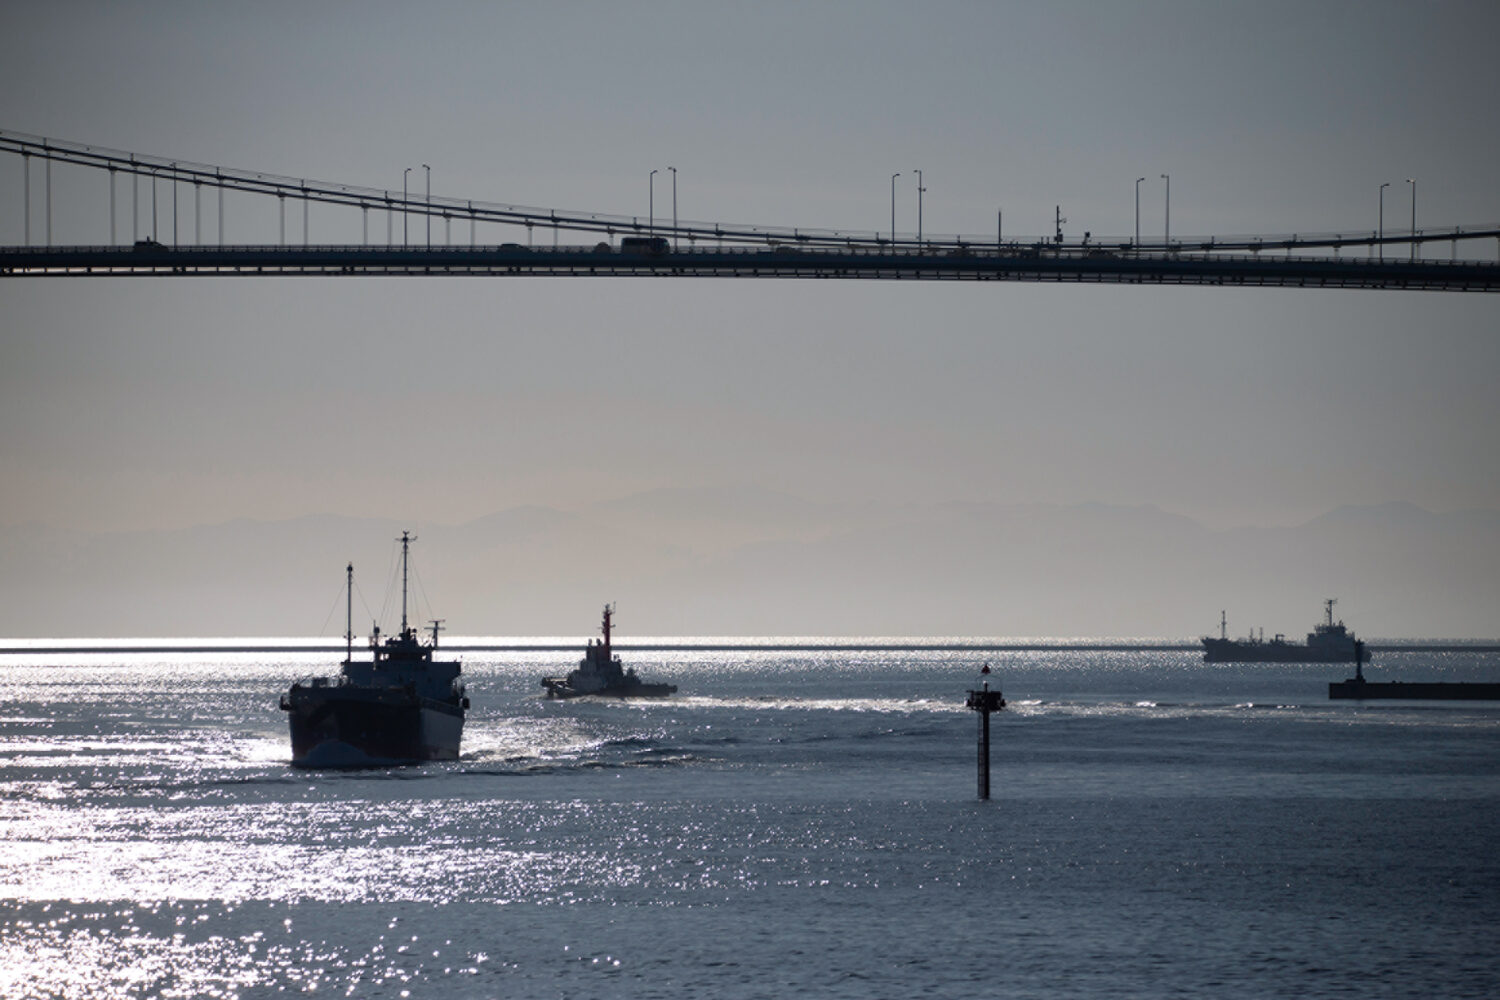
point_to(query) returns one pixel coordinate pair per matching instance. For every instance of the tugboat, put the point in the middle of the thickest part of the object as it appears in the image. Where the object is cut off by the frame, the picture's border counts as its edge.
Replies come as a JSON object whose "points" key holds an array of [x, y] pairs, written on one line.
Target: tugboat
{"points": [[1329, 642], [599, 673], [399, 707]]}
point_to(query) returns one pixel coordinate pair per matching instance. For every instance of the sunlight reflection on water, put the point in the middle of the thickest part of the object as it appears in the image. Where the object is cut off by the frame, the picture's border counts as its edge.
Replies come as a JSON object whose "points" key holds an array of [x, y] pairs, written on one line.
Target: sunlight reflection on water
{"points": [[789, 823]]}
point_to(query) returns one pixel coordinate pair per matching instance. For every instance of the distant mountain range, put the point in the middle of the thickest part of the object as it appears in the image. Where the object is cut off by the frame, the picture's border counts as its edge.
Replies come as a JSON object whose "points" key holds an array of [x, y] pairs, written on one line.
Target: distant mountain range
{"points": [[754, 562]]}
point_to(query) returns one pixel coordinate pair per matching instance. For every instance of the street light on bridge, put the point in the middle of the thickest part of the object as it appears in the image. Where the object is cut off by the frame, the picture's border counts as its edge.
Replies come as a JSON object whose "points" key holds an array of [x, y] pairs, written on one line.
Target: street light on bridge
{"points": [[1380, 232], [651, 203], [674, 206], [1138, 211], [893, 210], [920, 189], [1413, 184], [1168, 179]]}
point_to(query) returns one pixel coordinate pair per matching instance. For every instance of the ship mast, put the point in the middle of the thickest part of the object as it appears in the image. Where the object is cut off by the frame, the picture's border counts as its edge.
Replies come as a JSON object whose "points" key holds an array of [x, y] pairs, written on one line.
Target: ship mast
{"points": [[609, 610], [1328, 611], [406, 539], [349, 614]]}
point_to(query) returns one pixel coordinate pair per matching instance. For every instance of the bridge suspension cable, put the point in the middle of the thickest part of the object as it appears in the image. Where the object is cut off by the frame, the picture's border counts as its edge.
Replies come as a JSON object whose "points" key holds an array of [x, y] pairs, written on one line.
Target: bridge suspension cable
{"points": [[711, 250], [365, 198], [281, 187]]}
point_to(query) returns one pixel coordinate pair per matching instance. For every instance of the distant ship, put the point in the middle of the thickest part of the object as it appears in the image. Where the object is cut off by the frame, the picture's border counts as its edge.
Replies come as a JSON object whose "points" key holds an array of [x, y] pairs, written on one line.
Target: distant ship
{"points": [[600, 673], [1329, 642], [399, 707]]}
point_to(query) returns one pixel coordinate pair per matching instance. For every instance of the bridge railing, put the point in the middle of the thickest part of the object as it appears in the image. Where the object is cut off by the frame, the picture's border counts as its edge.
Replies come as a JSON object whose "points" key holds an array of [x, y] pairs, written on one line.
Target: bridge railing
{"points": [[148, 254]]}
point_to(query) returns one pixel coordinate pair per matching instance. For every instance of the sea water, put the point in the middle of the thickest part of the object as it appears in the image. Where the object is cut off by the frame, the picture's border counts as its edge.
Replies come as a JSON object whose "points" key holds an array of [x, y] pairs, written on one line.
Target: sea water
{"points": [[791, 822]]}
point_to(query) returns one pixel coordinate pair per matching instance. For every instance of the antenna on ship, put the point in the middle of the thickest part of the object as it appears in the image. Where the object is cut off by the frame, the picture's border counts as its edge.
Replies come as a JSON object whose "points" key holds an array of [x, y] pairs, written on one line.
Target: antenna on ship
{"points": [[1328, 611]]}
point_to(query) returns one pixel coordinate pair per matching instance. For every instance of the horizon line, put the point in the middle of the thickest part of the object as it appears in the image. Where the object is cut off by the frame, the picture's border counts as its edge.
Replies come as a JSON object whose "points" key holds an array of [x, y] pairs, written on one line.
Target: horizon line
{"points": [[708, 644]]}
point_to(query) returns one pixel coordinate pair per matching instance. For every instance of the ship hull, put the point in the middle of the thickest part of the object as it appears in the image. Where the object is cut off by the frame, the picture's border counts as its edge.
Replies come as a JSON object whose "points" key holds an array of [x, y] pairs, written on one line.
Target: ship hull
{"points": [[1231, 651], [559, 688], [354, 727], [1417, 691]]}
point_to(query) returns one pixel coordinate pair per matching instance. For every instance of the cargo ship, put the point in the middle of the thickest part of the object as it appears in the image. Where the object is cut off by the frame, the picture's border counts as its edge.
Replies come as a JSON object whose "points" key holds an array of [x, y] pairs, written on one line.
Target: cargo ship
{"points": [[1329, 642], [601, 673], [401, 706]]}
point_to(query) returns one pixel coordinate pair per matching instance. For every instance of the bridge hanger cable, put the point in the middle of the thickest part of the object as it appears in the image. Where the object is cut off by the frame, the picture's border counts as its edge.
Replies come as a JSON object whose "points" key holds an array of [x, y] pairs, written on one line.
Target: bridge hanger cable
{"points": [[279, 186], [274, 185]]}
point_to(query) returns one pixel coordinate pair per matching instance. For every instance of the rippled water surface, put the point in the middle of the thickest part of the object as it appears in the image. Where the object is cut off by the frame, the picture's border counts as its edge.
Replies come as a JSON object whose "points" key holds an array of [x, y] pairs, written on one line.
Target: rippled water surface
{"points": [[791, 821]]}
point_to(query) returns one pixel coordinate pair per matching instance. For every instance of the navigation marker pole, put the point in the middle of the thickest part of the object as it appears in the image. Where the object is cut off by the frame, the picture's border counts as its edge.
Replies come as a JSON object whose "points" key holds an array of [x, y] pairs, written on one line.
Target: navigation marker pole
{"points": [[984, 701]]}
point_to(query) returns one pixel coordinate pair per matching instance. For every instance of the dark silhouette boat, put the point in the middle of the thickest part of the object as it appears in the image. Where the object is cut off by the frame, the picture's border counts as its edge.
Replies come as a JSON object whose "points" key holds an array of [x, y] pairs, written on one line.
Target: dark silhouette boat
{"points": [[1329, 642], [600, 673], [401, 706]]}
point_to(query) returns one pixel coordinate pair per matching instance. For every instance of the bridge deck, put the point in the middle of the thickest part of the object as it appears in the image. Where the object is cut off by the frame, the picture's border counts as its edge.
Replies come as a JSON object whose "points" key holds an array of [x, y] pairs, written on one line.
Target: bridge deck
{"points": [[1065, 264]]}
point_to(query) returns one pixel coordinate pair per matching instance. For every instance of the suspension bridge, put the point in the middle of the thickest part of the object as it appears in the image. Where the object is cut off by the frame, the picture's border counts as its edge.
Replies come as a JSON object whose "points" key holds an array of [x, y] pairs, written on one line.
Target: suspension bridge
{"points": [[593, 244]]}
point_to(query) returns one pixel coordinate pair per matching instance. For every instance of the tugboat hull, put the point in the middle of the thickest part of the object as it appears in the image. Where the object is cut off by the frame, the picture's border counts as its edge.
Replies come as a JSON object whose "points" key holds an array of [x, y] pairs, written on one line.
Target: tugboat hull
{"points": [[558, 687]]}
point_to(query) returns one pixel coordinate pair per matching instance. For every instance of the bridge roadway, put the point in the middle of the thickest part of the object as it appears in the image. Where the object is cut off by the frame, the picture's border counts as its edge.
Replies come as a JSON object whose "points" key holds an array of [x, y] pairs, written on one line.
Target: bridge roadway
{"points": [[1037, 262]]}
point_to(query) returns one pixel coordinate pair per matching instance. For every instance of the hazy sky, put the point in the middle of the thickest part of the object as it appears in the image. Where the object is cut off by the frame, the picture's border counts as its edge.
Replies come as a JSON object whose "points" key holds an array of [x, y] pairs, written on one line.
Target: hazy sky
{"points": [[160, 403]]}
